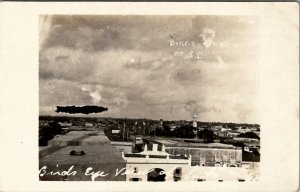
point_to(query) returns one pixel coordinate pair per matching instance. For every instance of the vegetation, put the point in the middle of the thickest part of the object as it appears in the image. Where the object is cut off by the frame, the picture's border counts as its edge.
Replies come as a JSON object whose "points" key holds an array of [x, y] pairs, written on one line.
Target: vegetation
{"points": [[179, 129], [207, 135], [185, 131], [131, 121], [47, 133], [251, 135]]}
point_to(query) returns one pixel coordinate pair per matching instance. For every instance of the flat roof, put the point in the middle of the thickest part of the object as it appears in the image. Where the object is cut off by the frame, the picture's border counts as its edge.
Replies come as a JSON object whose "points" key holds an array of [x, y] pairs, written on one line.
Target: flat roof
{"points": [[219, 173], [121, 143], [180, 143], [94, 154], [79, 138]]}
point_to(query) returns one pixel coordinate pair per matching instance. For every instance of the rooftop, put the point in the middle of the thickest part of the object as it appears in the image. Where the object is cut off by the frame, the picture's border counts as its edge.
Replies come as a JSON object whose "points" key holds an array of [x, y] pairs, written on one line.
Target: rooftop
{"points": [[95, 154], [138, 155], [182, 143], [218, 173], [74, 138]]}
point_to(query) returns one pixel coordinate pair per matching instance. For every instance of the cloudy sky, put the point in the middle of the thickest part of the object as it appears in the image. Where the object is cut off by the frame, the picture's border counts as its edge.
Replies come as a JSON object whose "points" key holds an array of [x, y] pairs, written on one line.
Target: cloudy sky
{"points": [[169, 67]]}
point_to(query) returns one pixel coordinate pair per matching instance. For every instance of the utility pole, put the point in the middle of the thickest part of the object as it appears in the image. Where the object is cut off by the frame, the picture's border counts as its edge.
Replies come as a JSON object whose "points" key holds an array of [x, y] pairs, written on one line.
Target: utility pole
{"points": [[124, 130]]}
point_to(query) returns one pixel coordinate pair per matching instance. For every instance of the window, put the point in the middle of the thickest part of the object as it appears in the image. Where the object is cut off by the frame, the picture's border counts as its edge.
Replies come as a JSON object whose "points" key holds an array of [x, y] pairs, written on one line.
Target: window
{"points": [[135, 170], [135, 179], [177, 174], [218, 156], [77, 153], [178, 170], [232, 156], [65, 178], [201, 180], [202, 155], [241, 180], [220, 180]]}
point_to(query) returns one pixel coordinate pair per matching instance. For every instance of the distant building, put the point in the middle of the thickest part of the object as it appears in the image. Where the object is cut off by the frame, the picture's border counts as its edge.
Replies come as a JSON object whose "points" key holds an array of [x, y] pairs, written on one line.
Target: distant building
{"points": [[250, 147], [223, 134], [257, 133], [137, 143], [81, 128], [115, 131], [247, 140], [161, 123], [65, 124], [243, 130], [173, 127], [233, 134], [225, 129], [217, 127]]}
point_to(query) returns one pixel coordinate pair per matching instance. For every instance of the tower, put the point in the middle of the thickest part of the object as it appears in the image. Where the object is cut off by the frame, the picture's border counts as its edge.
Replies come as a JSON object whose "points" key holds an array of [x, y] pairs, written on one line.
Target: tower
{"points": [[161, 123], [195, 121]]}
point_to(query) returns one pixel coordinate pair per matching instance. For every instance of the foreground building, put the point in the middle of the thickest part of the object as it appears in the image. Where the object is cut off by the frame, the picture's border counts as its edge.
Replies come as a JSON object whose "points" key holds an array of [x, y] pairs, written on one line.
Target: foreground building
{"points": [[91, 156], [154, 165], [80, 156], [203, 154], [158, 165]]}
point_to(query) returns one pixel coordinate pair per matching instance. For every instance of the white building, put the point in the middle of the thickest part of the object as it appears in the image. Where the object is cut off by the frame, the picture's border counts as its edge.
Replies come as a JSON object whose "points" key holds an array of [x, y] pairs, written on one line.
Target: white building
{"points": [[158, 165], [154, 165], [195, 121]]}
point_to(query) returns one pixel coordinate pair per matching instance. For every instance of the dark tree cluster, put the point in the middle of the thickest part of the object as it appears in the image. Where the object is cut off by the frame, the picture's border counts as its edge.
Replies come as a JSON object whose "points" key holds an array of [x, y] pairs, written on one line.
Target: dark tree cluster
{"points": [[165, 130], [207, 135], [251, 135], [47, 133], [186, 131]]}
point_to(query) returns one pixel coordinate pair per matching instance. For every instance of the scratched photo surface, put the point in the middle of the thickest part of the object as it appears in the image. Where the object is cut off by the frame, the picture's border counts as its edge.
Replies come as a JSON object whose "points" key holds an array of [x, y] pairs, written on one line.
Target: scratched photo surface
{"points": [[149, 98]]}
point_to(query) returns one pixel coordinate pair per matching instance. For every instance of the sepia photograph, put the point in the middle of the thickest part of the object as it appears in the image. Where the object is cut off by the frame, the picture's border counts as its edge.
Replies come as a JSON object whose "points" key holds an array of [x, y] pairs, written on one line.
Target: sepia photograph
{"points": [[149, 98]]}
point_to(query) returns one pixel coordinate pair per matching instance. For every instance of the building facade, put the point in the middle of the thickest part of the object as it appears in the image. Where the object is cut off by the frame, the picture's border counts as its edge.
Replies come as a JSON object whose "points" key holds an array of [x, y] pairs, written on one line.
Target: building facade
{"points": [[203, 154], [158, 165]]}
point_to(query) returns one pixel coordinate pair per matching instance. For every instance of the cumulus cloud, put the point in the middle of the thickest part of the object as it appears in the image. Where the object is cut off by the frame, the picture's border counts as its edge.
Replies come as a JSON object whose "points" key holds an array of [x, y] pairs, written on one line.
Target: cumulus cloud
{"points": [[126, 63], [94, 93], [208, 37]]}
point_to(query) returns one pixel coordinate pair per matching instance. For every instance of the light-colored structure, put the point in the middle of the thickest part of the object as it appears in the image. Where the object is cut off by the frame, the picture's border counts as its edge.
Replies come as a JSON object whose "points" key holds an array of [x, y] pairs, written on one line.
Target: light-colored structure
{"points": [[158, 165], [79, 138], [122, 146], [195, 121], [154, 165], [203, 154]]}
